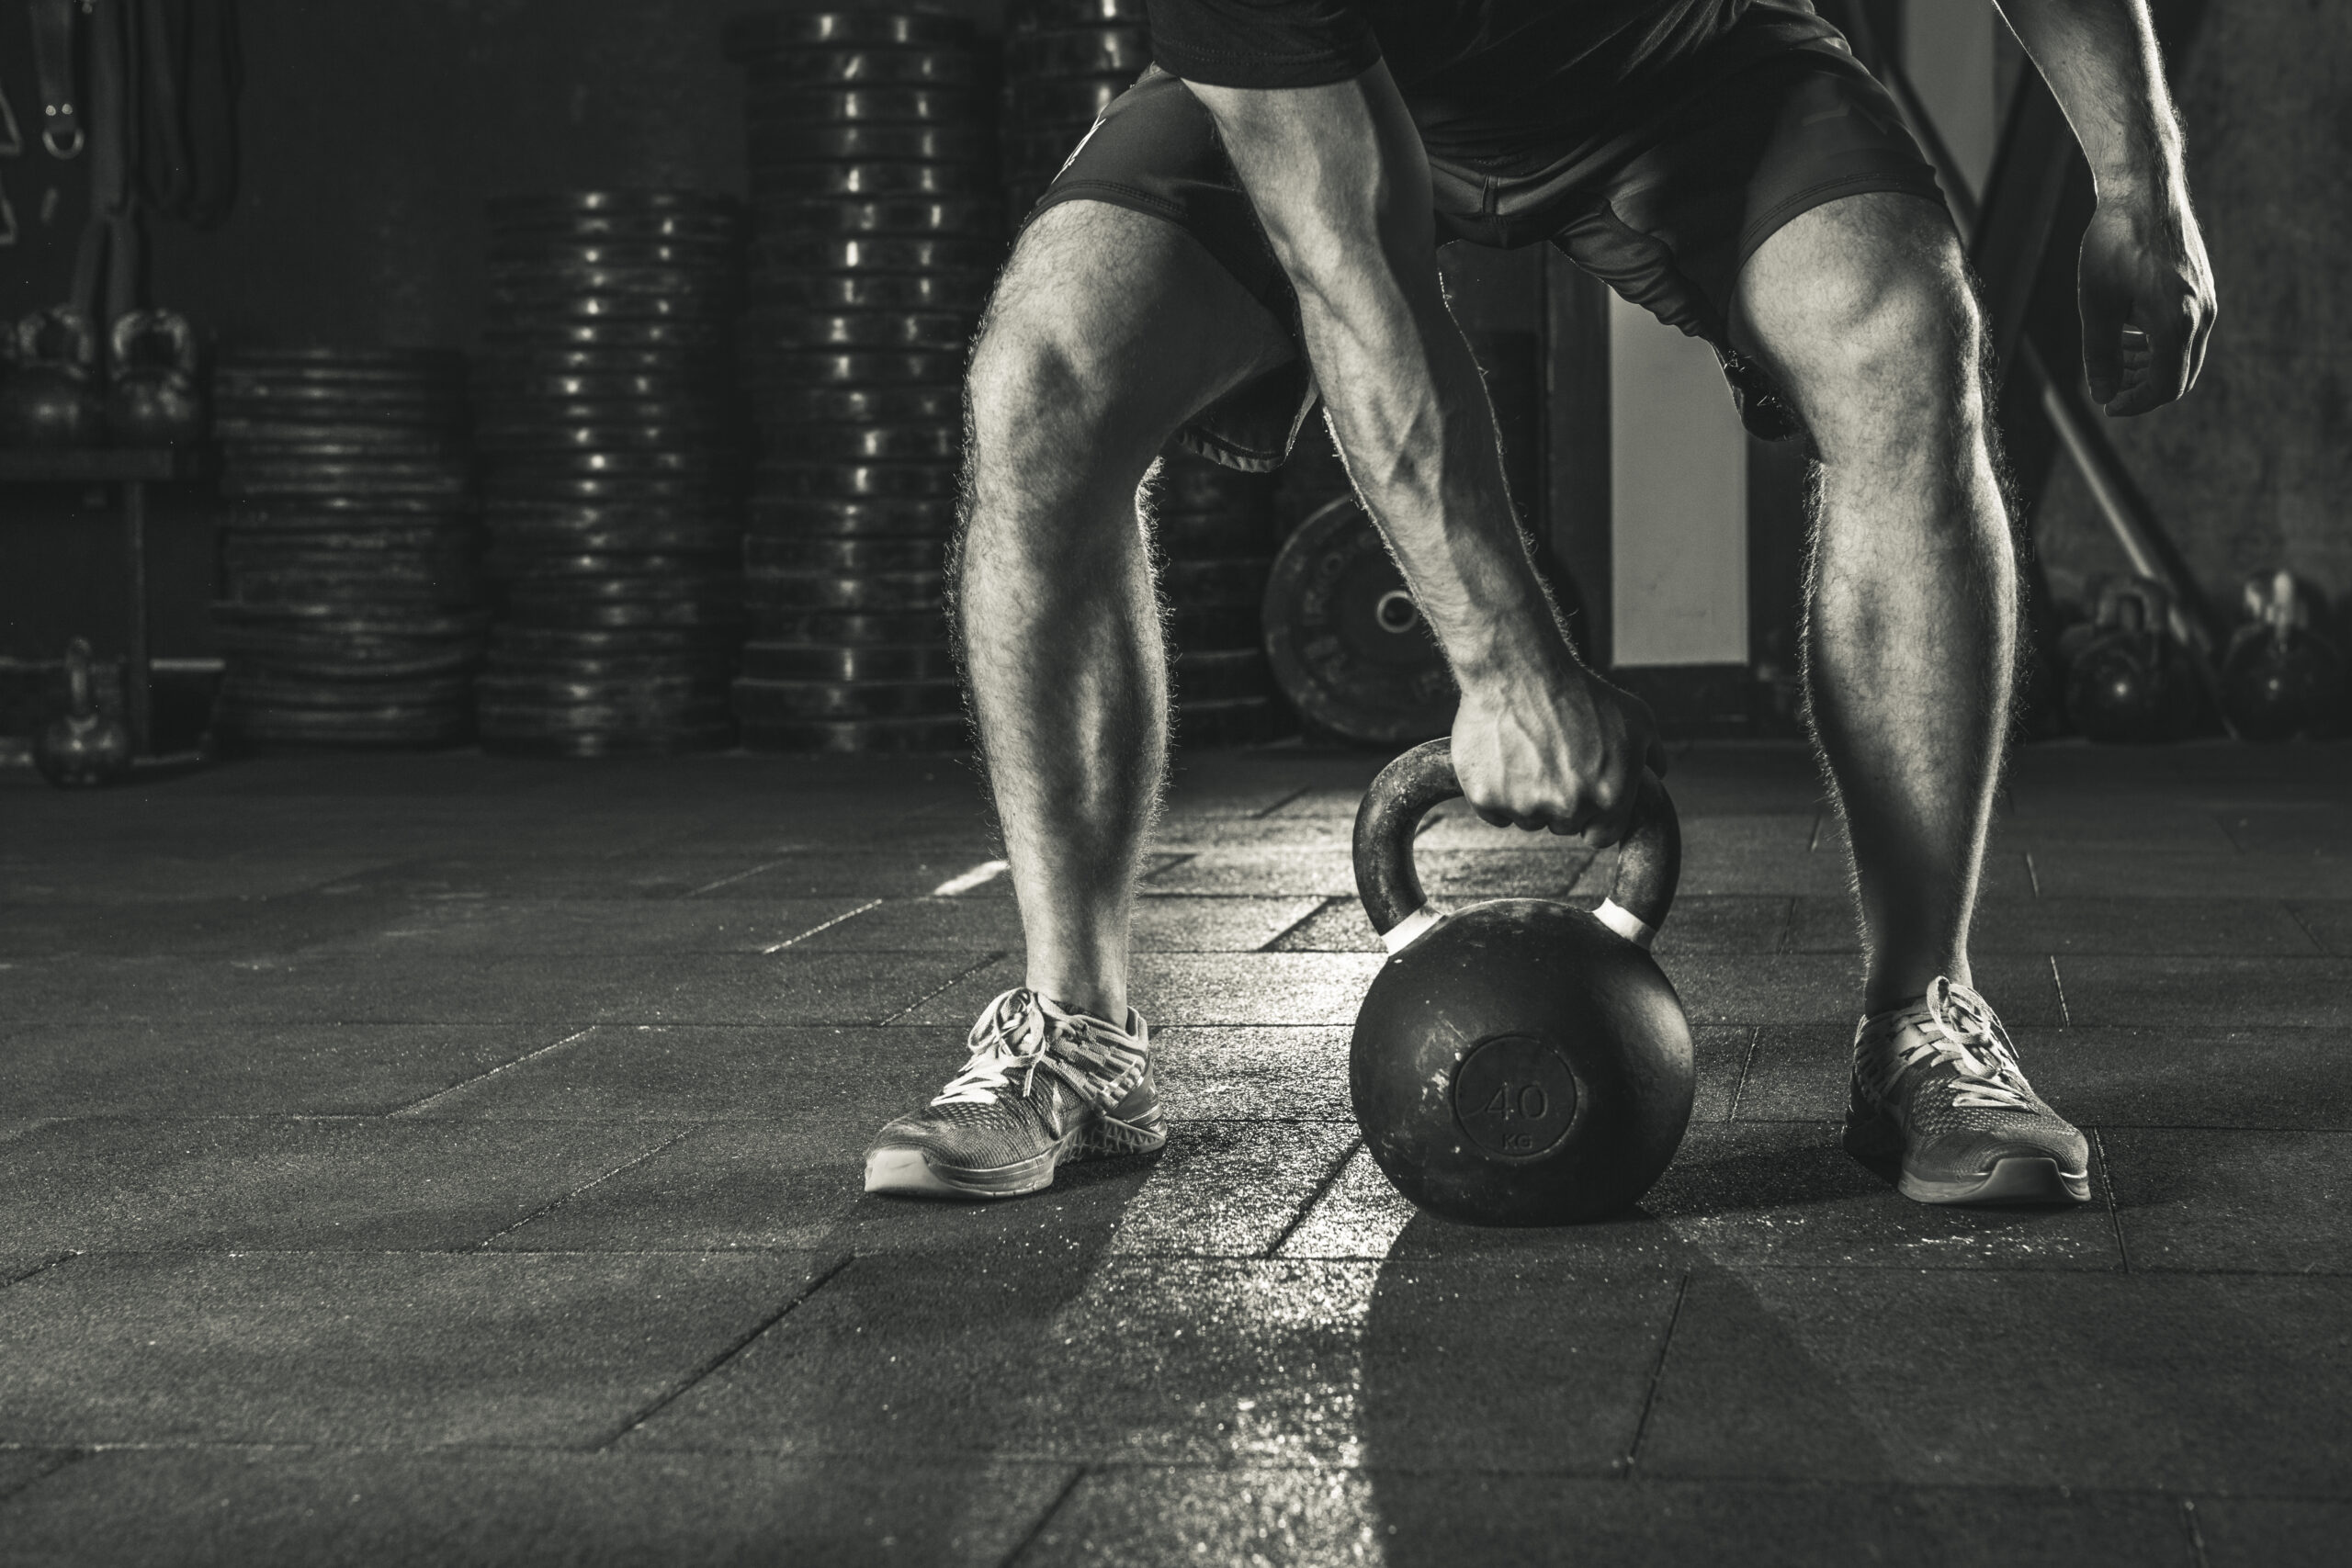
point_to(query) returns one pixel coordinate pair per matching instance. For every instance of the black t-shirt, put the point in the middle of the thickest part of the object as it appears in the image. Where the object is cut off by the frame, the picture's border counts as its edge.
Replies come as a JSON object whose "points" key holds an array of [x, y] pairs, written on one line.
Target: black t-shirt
{"points": [[1474, 72]]}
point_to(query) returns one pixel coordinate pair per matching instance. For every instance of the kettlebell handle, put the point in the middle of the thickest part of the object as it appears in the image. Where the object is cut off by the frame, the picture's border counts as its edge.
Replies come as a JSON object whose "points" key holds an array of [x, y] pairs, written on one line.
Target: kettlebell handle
{"points": [[1649, 863]]}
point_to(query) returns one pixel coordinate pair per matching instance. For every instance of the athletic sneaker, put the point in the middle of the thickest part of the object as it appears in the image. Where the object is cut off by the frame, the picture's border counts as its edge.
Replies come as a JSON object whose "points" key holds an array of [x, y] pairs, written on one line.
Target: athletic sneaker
{"points": [[1044, 1085], [1936, 1086]]}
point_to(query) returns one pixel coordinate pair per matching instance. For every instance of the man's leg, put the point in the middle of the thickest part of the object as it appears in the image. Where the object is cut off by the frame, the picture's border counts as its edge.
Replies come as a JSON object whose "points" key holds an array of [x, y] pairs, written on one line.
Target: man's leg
{"points": [[1108, 331], [1861, 308]]}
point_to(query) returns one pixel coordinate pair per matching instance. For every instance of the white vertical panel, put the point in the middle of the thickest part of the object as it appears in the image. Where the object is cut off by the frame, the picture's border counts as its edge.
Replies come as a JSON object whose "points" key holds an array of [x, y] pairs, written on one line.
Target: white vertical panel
{"points": [[1947, 54], [1677, 479]]}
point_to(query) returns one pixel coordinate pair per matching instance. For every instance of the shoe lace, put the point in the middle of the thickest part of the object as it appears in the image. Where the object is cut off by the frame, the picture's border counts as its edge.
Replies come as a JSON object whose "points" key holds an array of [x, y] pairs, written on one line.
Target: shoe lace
{"points": [[1955, 1028], [1014, 1037]]}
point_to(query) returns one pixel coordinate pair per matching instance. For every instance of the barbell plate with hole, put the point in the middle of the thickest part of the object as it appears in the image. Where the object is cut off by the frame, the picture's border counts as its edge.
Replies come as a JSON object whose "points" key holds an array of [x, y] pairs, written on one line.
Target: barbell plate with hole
{"points": [[1347, 644]]}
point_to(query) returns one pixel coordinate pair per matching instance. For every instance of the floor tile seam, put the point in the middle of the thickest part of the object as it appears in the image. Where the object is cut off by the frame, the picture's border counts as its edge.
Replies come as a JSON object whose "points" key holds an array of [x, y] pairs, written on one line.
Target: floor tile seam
{"points": [[1029, 1536], [1269, 945], [1229, 1465], [66, 1455], [2303, 926], [942, 989], [1631, 1456], [48, 1261], [2184, 1510], [1306, 1206], [543, 1210], [1604, 1261], [1746, 1065], [816, 1282]]}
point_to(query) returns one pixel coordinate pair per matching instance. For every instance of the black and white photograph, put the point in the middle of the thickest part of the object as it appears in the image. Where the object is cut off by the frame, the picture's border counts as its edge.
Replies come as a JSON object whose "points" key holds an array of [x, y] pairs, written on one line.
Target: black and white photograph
{"points": [[1225, 783]]}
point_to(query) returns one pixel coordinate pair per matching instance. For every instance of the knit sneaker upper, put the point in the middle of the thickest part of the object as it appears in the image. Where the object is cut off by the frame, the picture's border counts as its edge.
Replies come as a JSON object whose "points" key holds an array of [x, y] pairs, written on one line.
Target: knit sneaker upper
{"points": [[1941, 1075], [1037, 1072]]}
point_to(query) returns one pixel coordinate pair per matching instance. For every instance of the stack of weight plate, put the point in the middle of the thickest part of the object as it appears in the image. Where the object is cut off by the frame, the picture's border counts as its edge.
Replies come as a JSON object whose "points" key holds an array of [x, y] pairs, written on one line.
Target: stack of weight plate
{"points": [[1216, 531], [352, 612], [876, 231], [613, 442], [1064, 62]]}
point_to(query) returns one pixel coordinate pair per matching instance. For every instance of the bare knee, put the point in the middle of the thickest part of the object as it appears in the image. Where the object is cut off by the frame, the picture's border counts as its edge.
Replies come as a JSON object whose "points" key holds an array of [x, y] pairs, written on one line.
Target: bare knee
{"points": [[1894, 372]]}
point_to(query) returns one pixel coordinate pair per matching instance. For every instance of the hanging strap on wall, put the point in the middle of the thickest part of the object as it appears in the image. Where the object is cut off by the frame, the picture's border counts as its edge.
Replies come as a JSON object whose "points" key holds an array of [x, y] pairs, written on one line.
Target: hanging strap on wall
{"points": [[105, 267], [60, 113]]}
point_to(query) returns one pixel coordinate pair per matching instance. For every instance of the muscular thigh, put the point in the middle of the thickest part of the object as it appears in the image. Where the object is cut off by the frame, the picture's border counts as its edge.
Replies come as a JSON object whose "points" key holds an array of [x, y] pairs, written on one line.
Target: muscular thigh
{"points": [[1109, 329], [1862, 311]]}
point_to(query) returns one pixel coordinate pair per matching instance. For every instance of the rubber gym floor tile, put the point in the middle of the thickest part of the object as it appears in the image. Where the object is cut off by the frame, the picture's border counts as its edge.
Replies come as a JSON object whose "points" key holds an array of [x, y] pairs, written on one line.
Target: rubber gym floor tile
{"points": [[2329, 921], [246, 1508], [1252, 1071], [19, 1467], [1171, 989], [2286, 1078], [522, 875], [1782, 1195], [1189, 835], [2265, 1532], [471, 928], [399, 1350], [339, 1184], [1171, 923], [100, 872], [1777, 990], [2205, 1198], [1540, 871], [725, 1186], [1696, 925], [1417, 1517], [1198, 1361], [1230, 1188], [760, 1184], [2076, 870], [2303, 828], [1982, 1378], [201, 1069], [2165, 824], [695, 1073], [218, 928], [2194, 992], [2114, 926]]}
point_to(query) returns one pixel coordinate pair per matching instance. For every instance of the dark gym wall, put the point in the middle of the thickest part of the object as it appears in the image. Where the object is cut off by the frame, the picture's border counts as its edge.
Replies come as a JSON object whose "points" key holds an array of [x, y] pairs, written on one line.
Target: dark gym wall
{"points": [[2255, 470]]}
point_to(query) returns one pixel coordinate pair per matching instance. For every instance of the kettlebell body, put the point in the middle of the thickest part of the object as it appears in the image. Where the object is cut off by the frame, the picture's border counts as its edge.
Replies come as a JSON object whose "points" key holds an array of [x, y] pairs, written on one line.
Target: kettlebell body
{"points": [[2128, 681], [154, 401], [1520, 1062], [51, 397], [86, 748], [2280, 677]]}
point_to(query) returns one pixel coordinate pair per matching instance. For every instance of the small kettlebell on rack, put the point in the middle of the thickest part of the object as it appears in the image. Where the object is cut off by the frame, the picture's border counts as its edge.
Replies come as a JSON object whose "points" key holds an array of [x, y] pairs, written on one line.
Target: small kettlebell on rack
{"points": [[2281, 676], [154, 401], [51, 397], [2129, 680], [86, 748], [1520, 1062]]}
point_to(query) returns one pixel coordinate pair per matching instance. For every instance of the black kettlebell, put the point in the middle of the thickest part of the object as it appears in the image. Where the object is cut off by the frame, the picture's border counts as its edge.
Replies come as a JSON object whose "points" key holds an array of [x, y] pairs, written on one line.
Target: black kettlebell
{"points": [[85, 748], [2129, 680], [1519, 1062], [2280, 677], [51, 398], [154, 401]]}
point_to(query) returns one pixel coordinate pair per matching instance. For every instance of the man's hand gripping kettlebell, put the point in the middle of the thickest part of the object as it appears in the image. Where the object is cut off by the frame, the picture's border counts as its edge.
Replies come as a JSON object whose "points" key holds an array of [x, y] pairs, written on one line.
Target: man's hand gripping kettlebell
{"points": [[1541, 742]]}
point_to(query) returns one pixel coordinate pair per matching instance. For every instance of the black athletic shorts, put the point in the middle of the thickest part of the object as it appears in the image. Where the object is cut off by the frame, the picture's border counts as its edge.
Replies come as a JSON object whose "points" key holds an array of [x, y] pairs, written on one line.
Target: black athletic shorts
{"points": [[1665, 205]]}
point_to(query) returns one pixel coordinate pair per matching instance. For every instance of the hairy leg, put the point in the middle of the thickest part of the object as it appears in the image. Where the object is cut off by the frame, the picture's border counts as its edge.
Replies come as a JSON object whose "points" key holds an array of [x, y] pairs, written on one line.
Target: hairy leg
{"points": [[1109, 329], [1862, 309]]}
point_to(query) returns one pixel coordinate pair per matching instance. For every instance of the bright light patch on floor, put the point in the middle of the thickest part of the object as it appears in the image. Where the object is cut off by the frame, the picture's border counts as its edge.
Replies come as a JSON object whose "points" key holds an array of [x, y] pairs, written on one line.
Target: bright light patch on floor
{"points": [[986, 872]]}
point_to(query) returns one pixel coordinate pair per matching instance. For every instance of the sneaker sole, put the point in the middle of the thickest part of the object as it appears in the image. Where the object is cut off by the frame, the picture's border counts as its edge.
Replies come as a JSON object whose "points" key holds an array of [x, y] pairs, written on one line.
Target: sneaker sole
{"points": [[2019, 1178], [916, 1172]]}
